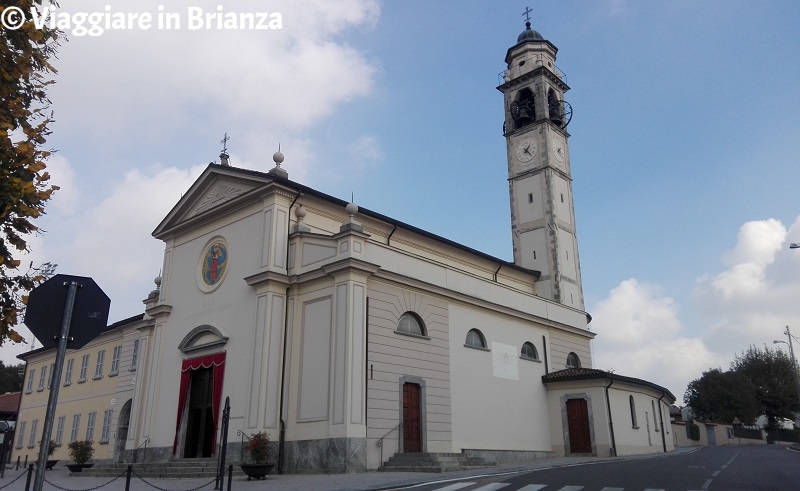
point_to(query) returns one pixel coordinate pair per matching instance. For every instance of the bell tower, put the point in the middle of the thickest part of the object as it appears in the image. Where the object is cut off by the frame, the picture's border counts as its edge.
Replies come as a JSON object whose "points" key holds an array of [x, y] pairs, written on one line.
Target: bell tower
{"points": [[539, 172]]}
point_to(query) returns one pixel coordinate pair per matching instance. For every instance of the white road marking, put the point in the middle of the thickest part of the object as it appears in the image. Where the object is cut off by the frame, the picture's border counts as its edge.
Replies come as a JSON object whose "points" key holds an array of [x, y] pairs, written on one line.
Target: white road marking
{"points": [[707, 484], [571, 488], [533, 487], [455, 486]]}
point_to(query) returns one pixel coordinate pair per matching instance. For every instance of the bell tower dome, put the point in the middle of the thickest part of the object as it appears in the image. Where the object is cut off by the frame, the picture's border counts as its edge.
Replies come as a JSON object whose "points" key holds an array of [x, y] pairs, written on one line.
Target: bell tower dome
{"points": [[539, 171]]}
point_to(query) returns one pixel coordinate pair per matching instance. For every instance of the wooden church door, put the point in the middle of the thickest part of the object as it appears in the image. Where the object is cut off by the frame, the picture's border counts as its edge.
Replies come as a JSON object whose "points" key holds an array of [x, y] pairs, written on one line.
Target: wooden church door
{"points": [[580, 439], [412, 427]]}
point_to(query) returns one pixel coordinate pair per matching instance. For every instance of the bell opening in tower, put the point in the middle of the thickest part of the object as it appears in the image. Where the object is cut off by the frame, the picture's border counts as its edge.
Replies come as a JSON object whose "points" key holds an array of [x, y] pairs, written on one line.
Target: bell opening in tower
{"points": [[523, 109]]}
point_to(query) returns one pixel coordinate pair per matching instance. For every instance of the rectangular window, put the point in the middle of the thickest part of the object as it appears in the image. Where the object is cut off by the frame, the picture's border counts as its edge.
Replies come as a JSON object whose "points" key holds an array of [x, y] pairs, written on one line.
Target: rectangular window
{"points": [[60, 430], [90, 426], [31, 374], [76, 423], [98, 368], [84, 368], [21, 434], [52, 372], [106, 426], [135, 355], [32, 438], [42, 378], [115, 361], [68, 374]]}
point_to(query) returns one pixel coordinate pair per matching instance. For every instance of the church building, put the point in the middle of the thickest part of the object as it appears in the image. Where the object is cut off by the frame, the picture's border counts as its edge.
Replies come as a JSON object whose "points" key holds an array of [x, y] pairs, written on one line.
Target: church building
{"points": [[351, 337]]}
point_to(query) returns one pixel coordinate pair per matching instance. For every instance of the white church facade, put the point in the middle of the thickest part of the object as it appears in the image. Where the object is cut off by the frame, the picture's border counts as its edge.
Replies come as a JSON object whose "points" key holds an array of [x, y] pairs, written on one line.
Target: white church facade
{"points": [[349, 336]]}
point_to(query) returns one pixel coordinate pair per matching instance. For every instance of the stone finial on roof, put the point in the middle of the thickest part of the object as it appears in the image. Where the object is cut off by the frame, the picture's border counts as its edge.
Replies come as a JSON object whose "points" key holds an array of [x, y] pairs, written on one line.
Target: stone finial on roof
{"points": [[301, 213], [351, 223], [277, 157]]}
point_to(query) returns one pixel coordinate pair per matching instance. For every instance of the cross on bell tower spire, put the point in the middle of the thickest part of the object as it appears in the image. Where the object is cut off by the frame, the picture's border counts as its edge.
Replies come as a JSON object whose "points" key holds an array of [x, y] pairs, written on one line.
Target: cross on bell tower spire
{"points": [[527, 15]]}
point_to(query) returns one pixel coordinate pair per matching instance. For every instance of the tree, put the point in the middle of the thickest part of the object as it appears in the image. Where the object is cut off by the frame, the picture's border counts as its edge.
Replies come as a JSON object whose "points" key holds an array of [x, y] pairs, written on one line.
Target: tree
{"points": [[720, 397], [772, 373], [26, 73], [10, 379]]}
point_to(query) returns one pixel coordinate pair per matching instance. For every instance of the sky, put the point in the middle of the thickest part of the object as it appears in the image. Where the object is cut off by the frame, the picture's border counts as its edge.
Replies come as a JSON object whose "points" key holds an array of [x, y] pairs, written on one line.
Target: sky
{"points": [[684, 147]]}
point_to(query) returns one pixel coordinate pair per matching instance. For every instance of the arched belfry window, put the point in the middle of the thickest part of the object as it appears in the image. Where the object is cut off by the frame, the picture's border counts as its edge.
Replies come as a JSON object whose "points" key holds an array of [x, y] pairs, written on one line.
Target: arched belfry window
{"points": [[475, 339], [523, 109], [409, 323], [573, 361]]}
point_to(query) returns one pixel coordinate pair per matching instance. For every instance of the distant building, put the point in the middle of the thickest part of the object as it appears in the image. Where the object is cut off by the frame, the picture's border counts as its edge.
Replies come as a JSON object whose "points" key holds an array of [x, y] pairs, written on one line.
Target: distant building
{"points": [[350, 336]]}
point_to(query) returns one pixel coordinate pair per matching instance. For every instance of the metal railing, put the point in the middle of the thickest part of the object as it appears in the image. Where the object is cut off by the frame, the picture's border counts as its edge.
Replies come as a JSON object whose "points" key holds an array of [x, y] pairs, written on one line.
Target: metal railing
{"points": [[241, 447], [136, 452], [530, 63], [379, 443]]}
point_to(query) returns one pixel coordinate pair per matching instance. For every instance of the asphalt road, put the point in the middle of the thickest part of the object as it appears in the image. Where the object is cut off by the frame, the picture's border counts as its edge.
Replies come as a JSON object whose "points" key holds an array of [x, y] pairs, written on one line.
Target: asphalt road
{"points": [[726, 468]]}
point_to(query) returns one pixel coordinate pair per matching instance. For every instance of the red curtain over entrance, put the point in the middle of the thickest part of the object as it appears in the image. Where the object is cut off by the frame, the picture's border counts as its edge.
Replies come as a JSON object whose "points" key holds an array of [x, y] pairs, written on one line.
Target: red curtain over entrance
{"points": [[218, 362]]}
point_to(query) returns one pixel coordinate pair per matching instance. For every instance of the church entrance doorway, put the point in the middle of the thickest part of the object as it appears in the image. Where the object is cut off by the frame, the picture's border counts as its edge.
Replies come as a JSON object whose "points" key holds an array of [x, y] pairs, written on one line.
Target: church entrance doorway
{"points": [[198, 406], [412, 434], [200, 417], [580, 439]]}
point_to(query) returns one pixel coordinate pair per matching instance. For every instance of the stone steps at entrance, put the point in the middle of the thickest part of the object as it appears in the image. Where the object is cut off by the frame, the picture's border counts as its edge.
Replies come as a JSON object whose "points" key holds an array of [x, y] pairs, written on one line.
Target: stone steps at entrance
{"points": [[433, 462], [177, 469]]}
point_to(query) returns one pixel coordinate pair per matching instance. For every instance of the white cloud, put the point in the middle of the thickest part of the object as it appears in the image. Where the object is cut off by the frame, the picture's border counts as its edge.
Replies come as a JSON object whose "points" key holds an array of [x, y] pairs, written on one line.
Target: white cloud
{"points": [[639, 335], [640, 332]]}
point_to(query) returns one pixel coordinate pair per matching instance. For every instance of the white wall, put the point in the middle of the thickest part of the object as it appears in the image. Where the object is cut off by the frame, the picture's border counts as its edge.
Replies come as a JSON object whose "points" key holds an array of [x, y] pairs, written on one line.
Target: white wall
{"points": [[498, 401]]}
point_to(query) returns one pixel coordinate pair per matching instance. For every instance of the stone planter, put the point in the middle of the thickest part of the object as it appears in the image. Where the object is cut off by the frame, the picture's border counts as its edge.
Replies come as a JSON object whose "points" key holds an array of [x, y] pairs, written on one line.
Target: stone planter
{"points": [[256, 471], [78, 467]]}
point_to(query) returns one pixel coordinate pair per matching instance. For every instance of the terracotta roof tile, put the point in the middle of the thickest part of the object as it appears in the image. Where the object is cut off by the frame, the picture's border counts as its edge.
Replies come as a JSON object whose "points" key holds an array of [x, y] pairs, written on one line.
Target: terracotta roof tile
{"points": [[9, 403]]}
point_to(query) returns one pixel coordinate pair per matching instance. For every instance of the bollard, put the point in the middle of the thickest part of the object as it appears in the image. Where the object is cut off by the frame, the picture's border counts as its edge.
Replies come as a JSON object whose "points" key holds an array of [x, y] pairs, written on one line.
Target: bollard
{"points": [[28, 480], [18, 464], [230, 476], [128, 478]]}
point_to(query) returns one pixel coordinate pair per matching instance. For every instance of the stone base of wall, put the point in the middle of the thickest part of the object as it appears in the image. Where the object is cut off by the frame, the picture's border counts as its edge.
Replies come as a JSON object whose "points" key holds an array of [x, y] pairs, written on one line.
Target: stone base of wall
{"points": [[333, 455], [509, 456], [329, 456]]}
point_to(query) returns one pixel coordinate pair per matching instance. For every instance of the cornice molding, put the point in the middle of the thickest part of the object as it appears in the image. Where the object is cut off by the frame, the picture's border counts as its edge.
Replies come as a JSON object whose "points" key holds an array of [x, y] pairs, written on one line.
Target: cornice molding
{"points": [[402, 280]]}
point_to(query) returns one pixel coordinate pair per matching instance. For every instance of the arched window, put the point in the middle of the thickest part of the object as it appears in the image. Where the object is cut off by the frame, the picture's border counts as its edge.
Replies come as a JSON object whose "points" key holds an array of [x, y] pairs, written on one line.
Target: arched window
{"points": [[529, 351], [411, 324], [633, 411], [655, 417], [573, 361], [475, 339]]}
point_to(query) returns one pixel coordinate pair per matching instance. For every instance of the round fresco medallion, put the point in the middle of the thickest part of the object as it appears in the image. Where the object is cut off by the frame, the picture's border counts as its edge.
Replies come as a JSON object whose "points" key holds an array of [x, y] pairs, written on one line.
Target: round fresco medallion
{"points": [[215, 261]]}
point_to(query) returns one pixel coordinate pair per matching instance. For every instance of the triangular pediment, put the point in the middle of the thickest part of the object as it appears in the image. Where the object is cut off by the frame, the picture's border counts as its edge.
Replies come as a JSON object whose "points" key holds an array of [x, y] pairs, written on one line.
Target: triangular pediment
{"points": [[217, 188]]}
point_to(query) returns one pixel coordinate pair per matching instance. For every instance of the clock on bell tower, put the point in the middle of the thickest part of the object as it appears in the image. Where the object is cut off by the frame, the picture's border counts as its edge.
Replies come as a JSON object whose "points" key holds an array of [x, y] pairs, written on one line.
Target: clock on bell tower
{"points": [[539, 172]]}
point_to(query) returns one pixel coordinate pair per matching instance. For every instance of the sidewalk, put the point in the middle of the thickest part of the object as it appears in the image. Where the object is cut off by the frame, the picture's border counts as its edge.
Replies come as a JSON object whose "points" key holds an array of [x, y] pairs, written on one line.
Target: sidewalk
{"points": [[59, 478]]}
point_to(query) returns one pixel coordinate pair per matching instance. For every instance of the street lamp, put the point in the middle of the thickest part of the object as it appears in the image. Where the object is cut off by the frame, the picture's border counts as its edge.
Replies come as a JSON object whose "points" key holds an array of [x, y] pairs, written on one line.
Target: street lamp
{"points": [[791, 352], [794, 245]]}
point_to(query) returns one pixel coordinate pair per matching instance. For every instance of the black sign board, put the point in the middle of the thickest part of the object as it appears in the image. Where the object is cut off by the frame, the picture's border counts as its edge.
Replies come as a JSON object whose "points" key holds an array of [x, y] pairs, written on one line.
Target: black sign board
{"points": [[45, 311]]}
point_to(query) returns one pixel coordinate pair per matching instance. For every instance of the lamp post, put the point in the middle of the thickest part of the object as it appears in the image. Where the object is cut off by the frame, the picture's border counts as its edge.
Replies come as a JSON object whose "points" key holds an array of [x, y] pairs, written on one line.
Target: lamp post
{"points": [[794, 245], [791, 352]]}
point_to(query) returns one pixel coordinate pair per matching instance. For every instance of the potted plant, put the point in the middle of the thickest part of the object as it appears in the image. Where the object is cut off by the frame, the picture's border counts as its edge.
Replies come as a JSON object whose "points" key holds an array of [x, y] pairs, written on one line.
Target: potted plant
{"points": [[257, 448], [81, 452]]}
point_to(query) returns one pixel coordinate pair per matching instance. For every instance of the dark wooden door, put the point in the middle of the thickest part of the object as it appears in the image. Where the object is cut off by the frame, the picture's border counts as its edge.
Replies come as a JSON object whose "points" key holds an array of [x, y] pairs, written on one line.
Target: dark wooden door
{"points": [[412, 440], [200, 421], [580, 439]]}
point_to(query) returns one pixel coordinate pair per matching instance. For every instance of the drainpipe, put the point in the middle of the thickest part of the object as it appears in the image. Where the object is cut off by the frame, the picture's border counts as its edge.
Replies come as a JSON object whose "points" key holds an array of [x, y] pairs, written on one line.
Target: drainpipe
{"points": [[610, 419], [282, 433], [544, 348], [498, 270], [389, 238], [661, 420]]}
